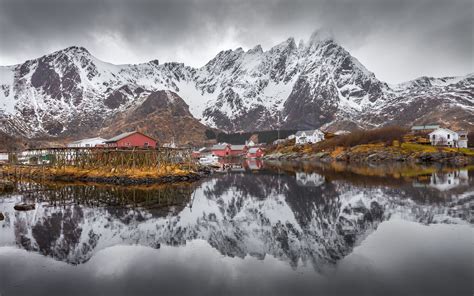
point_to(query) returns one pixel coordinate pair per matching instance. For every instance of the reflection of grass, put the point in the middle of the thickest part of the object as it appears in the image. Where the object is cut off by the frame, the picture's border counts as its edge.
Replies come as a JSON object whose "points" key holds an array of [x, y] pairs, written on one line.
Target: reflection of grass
{"points": [[142, 187], [406, 171]]}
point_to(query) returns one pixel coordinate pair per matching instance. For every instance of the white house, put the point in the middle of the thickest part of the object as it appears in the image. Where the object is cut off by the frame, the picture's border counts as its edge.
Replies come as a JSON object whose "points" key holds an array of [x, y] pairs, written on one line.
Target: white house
{"points": [[3, 157], [447, 181], [310, 136], [250, 143], [447, 137], [462, 140], [91, 142]]}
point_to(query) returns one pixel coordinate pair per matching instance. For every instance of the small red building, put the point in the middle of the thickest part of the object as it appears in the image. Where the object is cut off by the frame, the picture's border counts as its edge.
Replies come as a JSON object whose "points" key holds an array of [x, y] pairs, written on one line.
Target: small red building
{"points": [[255, 152], [131, 139], [221, 150], [238, 150]]}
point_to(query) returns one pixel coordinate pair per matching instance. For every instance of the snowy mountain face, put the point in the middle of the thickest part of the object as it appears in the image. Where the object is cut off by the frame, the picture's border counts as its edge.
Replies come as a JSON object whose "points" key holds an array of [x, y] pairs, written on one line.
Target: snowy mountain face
{"points": [[237, 214], [315, 83]]}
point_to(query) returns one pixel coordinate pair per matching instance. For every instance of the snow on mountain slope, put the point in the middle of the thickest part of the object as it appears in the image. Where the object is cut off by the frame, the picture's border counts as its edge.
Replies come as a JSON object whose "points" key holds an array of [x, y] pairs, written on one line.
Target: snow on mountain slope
{"points": [[316, 83]]}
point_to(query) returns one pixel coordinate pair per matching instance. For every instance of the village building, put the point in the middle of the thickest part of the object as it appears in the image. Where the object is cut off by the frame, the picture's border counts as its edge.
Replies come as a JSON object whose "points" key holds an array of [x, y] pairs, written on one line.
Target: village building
{"points": [[279, 141], [131, 139], [255, 152], [84, 143], [3, 157], [221, 150], [447, 137], [462, 140], [252, 141], [309, 136], [201, 152], [238, 150], [228, 150]]}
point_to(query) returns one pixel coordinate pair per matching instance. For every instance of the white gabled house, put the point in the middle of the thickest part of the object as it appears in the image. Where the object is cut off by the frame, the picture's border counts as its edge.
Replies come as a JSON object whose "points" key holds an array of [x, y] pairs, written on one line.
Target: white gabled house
{"points": [[91, 142], [447, 137], [309, 136]]}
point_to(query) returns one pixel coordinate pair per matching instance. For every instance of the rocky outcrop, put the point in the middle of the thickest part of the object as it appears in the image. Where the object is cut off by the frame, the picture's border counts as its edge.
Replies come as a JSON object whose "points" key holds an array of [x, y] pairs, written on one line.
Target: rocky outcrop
{"points": [[379, 155]]}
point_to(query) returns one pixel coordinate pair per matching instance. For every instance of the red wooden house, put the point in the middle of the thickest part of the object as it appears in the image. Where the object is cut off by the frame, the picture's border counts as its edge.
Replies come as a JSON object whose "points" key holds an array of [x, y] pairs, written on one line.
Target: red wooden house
{"points": [[238, 150], [131, 139], [221, 150], [255, 152]]}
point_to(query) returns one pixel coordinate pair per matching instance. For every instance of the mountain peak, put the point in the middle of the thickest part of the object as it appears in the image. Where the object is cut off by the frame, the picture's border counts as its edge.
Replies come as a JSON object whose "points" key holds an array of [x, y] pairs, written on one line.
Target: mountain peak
{"points": [[256, 49], [75, 49], [288, 43], [321, 35]]}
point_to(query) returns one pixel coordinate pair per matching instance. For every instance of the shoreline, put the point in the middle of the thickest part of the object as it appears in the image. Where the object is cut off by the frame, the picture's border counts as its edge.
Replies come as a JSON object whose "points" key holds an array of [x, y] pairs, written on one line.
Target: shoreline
{"points": [[369, 154]]}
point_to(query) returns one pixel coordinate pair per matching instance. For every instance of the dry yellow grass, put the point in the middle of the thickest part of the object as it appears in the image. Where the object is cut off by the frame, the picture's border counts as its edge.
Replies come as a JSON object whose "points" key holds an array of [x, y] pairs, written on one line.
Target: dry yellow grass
{"points": [[104, 172], [336, 152]]}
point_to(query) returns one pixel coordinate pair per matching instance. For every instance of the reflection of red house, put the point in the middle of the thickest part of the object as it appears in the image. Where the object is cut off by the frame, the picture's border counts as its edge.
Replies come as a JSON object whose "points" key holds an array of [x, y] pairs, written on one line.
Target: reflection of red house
{"points": [[221, 150], [131, 139], [255, 152], [254, 164]]}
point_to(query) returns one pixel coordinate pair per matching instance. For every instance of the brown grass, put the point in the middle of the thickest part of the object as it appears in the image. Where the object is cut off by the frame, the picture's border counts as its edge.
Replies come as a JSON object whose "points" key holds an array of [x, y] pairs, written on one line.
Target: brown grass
{"points": [[132, 173], [385, 135]]}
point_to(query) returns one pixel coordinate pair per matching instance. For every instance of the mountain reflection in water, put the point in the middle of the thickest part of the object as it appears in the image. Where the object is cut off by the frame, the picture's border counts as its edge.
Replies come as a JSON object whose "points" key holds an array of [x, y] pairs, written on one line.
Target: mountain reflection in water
{"points": [[299, 217]]}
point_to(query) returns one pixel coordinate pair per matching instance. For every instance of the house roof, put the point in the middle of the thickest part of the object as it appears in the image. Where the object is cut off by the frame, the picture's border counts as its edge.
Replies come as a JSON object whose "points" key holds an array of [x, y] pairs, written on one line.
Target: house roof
{"points": [[425, 127], [124, 135], [88, 140], [219, 146], [308, 132], [237, 147], [447, 130]]}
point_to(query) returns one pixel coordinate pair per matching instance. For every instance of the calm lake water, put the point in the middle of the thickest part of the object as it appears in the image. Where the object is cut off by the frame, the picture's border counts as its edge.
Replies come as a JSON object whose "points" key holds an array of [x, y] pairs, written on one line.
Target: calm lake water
{"points": [[264, 229]]}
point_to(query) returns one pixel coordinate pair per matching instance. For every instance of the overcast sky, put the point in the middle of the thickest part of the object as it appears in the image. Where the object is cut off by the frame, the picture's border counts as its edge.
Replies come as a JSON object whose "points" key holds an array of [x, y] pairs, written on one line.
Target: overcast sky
{"points": [[398, 40]]}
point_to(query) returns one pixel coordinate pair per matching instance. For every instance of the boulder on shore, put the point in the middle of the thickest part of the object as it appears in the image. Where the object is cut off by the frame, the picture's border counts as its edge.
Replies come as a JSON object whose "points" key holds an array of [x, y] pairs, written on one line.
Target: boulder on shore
{"points": [[24, 207]]}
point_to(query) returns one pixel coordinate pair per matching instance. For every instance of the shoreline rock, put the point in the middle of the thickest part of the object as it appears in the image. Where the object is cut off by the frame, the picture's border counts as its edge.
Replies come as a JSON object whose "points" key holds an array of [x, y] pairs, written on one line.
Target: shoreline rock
{"points": [[368, 157]]}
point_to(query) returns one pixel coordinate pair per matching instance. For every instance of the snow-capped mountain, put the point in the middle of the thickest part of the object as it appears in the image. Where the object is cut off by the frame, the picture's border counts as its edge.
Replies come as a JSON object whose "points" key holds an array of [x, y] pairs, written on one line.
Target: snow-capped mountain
{"points": [[312, 84], [237, 214]]}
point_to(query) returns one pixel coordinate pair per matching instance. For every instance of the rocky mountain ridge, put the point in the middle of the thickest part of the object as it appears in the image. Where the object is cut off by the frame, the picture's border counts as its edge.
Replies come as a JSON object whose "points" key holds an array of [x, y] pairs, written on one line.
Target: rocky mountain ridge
{"points": [[316, 83]]}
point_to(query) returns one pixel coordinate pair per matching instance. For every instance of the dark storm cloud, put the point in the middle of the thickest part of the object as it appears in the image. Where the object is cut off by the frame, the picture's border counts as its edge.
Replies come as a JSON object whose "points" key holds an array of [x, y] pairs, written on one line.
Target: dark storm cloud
{"points": [[398, 40]]}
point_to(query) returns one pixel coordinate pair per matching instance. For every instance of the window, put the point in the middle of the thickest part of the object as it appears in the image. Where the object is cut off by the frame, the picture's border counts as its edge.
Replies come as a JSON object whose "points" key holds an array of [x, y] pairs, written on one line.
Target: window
{"points": [[434, 137], [145, 144], [449, 136]]}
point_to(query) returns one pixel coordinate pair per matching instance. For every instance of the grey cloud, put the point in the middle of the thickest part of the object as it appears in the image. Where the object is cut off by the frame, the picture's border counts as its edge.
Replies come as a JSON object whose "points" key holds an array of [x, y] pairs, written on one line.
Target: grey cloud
{"points": [[428, 37]]}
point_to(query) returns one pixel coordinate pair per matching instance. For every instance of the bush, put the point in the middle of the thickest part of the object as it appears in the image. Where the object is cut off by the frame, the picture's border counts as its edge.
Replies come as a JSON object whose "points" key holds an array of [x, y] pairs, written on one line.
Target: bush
{"points": [[385, 135]]}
